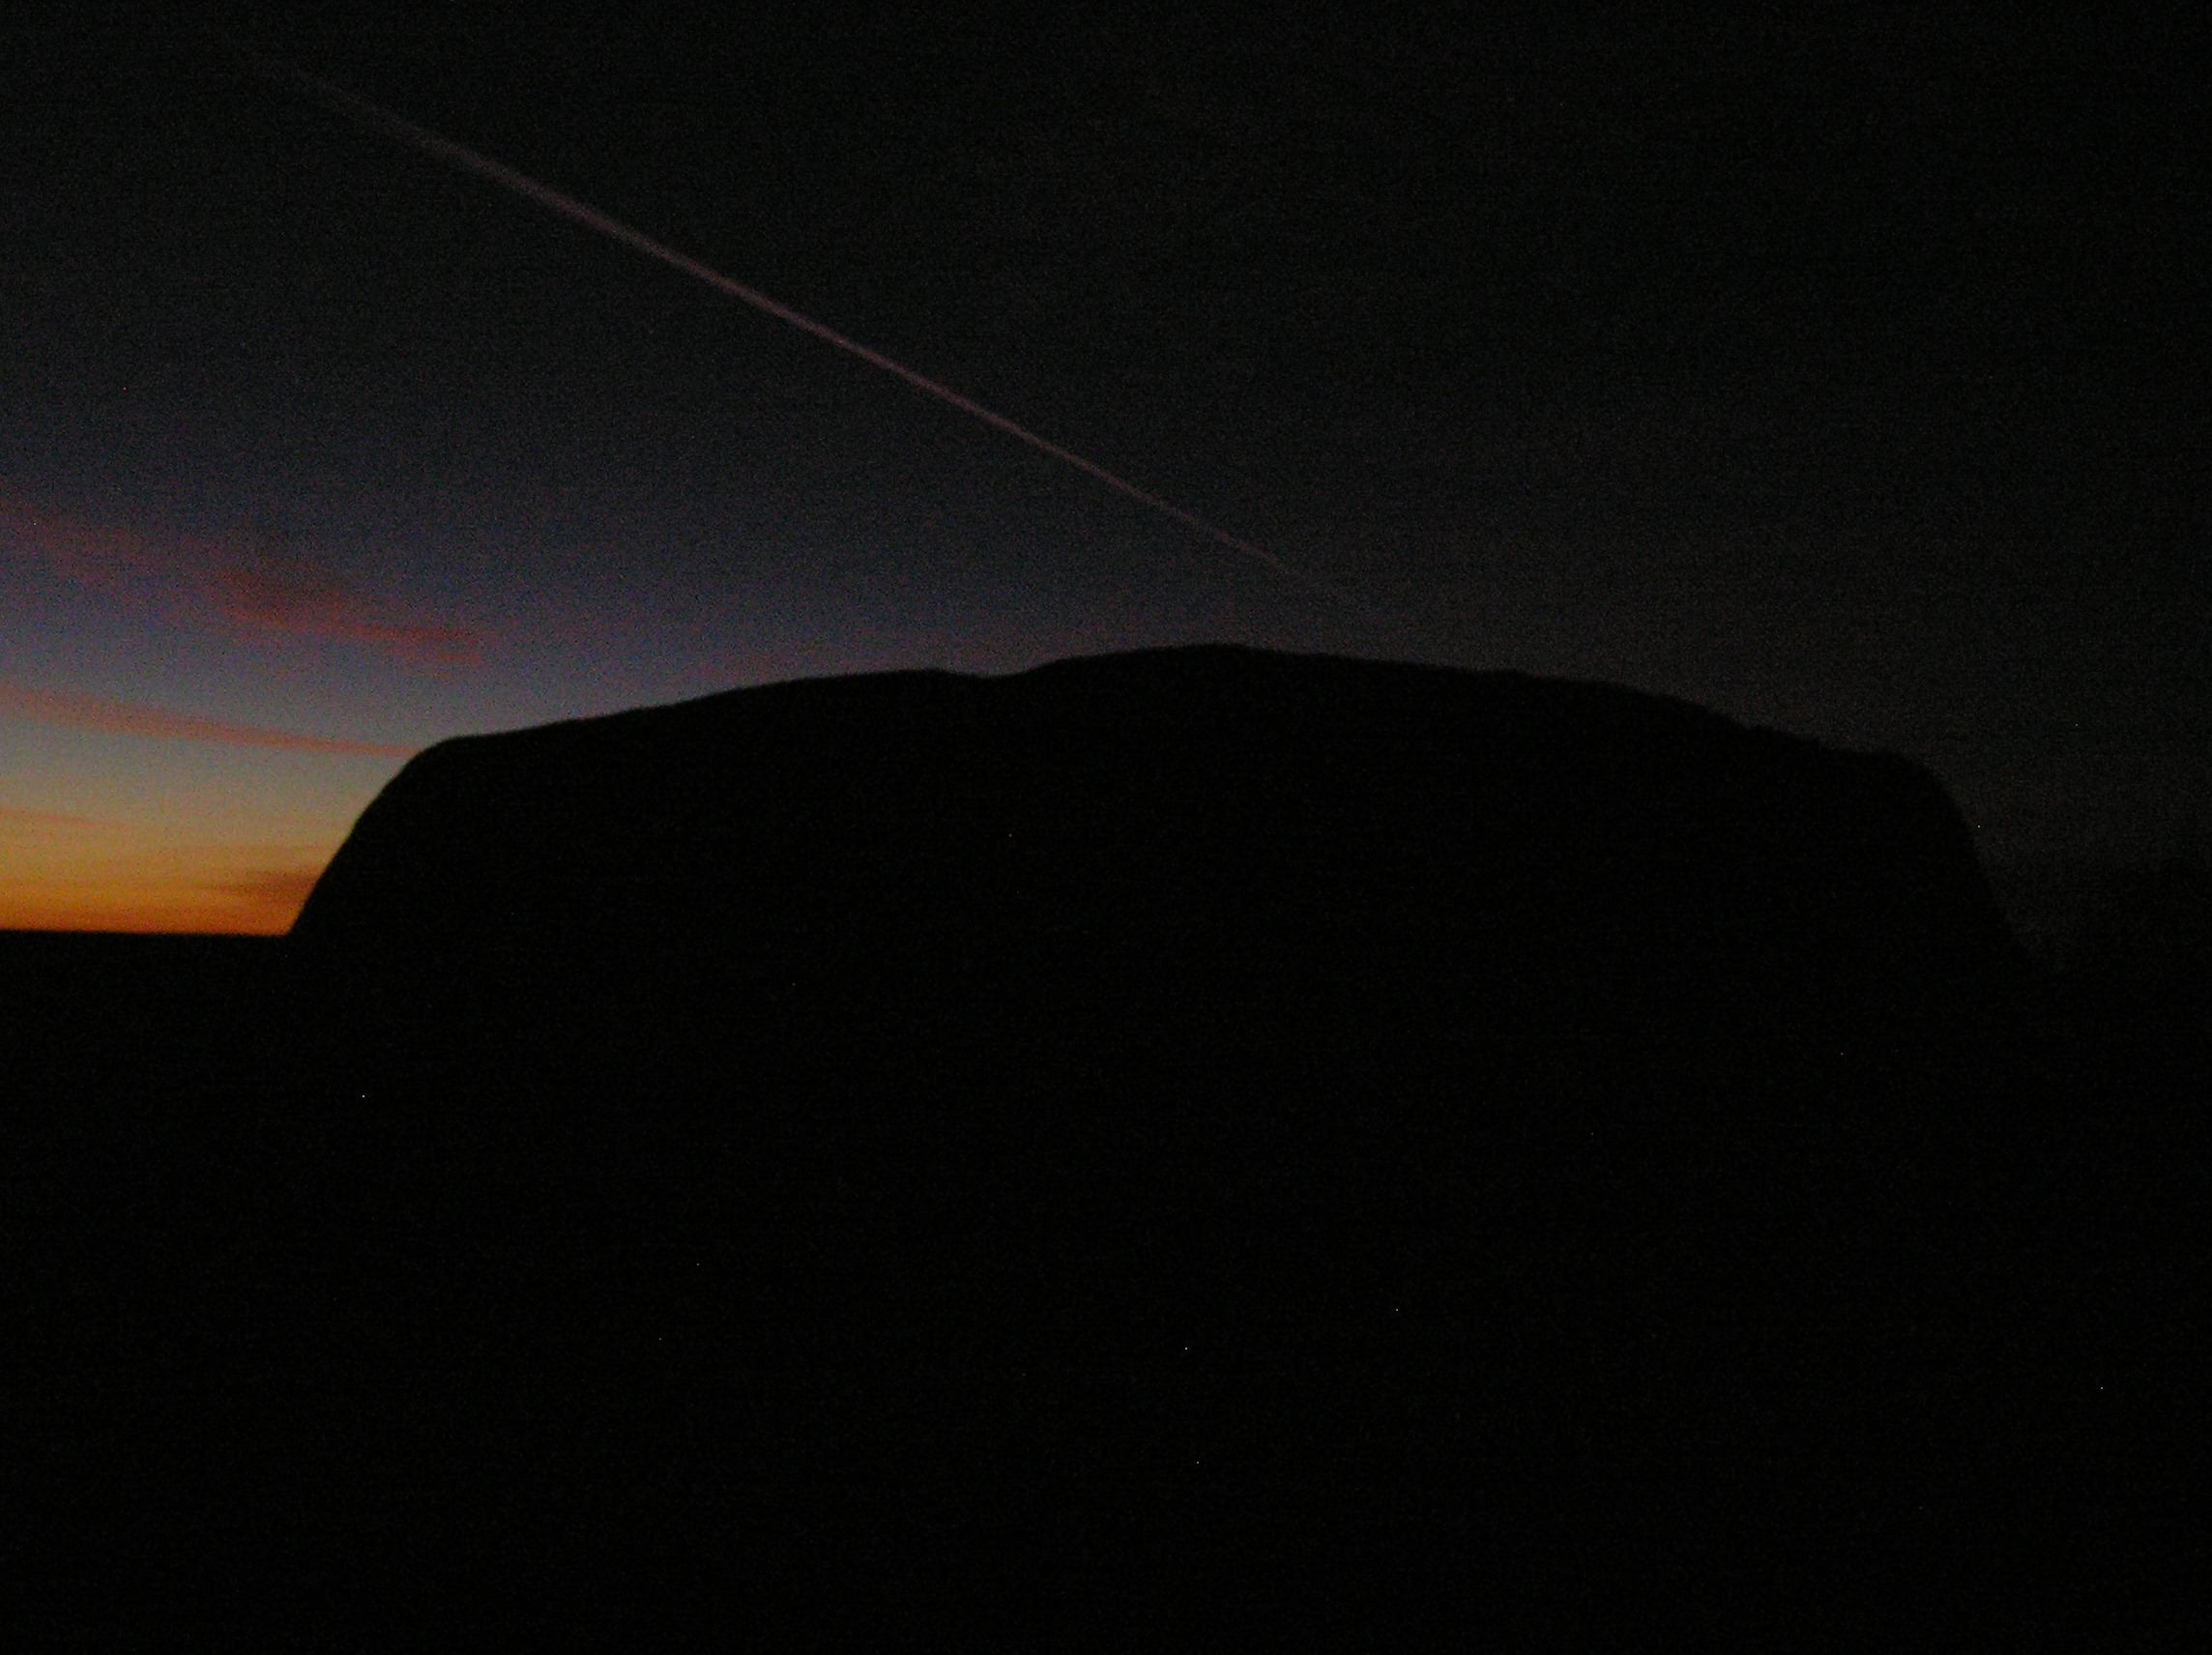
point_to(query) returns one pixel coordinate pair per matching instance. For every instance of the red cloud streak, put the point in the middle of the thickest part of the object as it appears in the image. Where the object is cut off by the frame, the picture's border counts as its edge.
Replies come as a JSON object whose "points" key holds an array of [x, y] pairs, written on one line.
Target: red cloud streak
{"points": [[128, 718], [277, 602], [93, 555], [239, 585]]}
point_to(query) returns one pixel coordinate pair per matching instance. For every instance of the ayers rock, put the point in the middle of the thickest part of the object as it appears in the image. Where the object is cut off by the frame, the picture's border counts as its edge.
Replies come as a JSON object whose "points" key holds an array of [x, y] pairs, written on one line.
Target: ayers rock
{"points": [[1264, 813], [1202, 1127]]}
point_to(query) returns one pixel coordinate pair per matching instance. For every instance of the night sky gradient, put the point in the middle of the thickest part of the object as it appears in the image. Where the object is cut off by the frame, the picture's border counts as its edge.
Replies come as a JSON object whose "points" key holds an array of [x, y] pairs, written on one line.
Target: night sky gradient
{"points": [[1843, 375]]}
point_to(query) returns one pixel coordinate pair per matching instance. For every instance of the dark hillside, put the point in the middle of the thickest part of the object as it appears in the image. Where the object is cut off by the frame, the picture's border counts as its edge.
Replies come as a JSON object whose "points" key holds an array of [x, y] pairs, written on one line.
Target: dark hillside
{"points": [[1142, 1151], [1291, 808]]}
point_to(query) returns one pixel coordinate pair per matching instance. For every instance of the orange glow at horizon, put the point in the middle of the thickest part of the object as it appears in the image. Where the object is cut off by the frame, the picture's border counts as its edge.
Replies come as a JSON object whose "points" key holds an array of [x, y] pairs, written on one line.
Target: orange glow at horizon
{"points": [[63, 873]]}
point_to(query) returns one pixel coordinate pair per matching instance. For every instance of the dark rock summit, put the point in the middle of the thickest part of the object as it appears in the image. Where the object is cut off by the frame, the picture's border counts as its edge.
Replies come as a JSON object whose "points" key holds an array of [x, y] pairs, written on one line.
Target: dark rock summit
{"points": [[1275, 810]]}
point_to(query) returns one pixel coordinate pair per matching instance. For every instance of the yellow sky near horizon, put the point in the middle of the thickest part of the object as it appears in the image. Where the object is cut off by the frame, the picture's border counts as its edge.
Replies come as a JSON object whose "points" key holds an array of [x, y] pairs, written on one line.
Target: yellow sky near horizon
{"points": [[62, 872], [115, 817]]}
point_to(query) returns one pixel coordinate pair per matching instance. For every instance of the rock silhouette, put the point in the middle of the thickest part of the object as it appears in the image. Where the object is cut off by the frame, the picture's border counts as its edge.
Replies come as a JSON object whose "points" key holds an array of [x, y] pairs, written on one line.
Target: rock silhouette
{"points": [[1161, 1148], [1246, 806]]}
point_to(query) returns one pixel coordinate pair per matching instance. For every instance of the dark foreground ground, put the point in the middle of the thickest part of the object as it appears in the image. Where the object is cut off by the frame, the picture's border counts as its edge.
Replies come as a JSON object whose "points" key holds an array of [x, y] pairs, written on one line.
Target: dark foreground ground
{"points": [[805, 1318]]}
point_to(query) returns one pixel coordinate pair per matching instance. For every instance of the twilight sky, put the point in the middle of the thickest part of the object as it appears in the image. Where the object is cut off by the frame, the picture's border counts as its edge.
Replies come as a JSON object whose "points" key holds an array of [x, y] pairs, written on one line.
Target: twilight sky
{"points": [[1844, 377]]}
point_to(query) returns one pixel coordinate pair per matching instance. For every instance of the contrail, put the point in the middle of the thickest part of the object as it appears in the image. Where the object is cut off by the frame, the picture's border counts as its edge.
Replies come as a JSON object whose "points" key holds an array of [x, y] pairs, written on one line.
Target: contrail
{"points": [[376, 116]]}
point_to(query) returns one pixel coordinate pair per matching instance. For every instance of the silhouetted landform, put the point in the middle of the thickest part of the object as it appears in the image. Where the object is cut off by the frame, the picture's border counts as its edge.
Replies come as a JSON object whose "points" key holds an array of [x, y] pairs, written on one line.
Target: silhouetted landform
{"points": [[1276, 814], [1156, 1151]]}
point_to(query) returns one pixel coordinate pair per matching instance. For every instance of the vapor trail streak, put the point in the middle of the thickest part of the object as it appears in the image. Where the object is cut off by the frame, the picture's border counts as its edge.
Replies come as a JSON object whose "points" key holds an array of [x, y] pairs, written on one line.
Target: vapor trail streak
{"points": [[384, 120]]}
